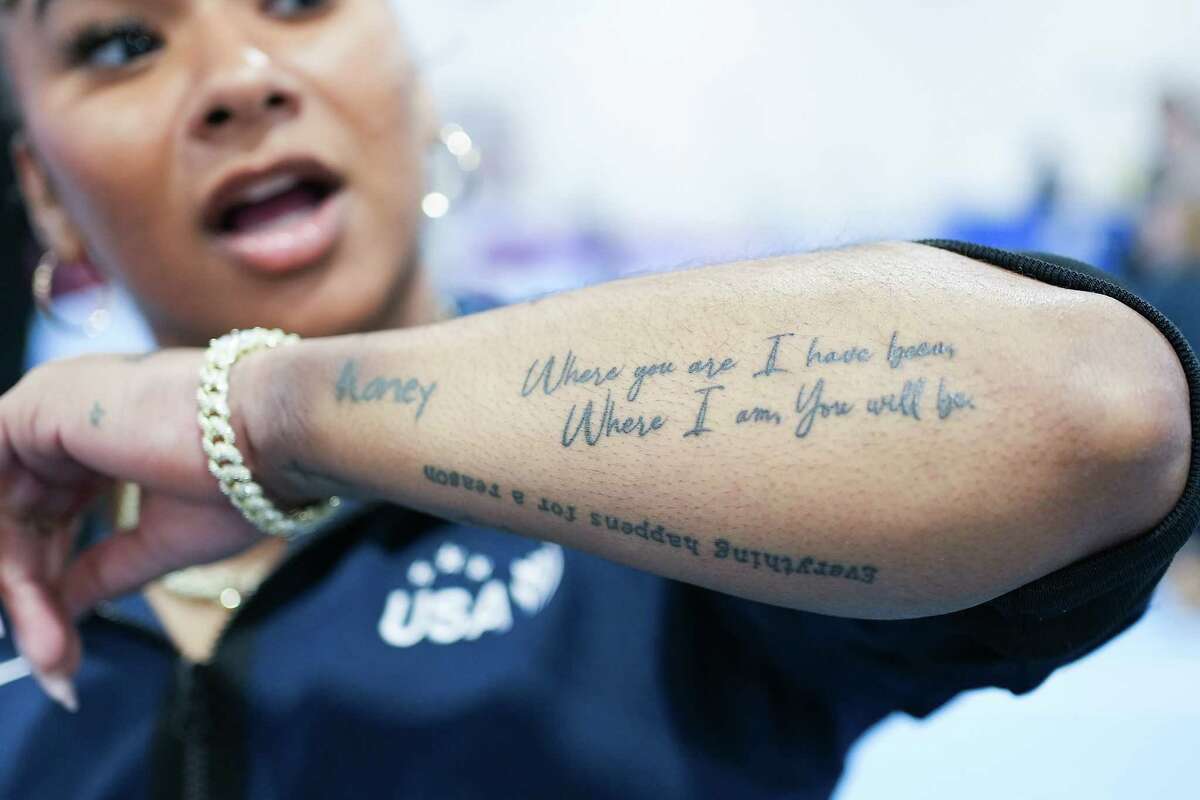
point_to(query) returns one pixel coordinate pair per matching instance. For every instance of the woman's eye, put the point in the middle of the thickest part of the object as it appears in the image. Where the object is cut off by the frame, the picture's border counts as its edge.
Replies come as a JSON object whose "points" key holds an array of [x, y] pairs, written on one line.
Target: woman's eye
{"points": [[293, 8], [113, 47]]}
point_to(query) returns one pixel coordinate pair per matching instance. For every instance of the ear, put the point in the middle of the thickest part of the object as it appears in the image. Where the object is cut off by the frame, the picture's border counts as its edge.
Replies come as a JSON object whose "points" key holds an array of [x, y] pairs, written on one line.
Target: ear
{"points": [[49, 218]]}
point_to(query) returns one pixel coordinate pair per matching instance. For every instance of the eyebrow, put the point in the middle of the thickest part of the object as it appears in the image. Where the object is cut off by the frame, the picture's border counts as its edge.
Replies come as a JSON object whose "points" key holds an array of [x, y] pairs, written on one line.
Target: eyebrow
{"points": [[39, 7]]}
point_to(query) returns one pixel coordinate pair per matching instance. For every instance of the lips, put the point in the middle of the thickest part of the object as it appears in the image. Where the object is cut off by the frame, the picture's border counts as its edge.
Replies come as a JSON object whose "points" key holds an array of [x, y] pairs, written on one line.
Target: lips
{"points": [[283, 217]]}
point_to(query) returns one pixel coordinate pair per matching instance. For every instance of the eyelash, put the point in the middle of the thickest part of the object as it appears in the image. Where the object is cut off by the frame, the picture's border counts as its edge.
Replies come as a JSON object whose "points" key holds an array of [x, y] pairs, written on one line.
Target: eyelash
{"points": [[82, 48], [308, 9]]}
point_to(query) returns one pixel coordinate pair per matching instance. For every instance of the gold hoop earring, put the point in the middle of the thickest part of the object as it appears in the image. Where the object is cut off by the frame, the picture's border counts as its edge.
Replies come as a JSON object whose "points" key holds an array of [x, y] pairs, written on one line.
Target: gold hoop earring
{"points": [[98, 319], [455, 147]]}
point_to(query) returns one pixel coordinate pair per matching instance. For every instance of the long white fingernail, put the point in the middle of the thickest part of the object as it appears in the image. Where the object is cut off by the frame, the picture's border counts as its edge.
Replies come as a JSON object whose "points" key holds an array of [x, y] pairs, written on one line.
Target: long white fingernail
{"points": [[60, 690]]}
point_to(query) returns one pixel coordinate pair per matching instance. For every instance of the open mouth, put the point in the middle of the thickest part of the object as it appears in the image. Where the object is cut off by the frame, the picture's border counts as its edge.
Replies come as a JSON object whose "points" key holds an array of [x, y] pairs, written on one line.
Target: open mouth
{"points": [[279, 219], [275, 202]]}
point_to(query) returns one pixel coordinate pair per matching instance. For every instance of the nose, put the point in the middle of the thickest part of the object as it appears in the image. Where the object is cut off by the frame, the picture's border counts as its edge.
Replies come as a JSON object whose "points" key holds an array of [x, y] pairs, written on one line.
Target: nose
{"points": [[247, 95]]}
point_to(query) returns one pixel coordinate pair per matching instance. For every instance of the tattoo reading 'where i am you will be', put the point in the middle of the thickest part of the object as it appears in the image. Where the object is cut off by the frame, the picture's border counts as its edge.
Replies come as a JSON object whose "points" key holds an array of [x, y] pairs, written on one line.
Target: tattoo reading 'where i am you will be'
{"points": [[808, 363]]}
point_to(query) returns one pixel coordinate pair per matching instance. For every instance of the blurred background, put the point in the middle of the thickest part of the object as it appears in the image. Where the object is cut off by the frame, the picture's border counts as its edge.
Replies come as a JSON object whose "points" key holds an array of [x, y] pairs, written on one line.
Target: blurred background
{"points": [[624, 136], [660, 132]]}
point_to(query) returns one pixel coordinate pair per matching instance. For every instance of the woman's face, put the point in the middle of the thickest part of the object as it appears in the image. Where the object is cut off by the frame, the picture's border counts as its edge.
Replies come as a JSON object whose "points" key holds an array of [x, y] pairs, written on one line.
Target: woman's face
{"points": [[234, 162]]}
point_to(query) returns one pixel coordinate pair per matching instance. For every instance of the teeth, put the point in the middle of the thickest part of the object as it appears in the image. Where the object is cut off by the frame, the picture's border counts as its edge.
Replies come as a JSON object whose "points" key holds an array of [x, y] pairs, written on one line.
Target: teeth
{"points": [[267, 188]]}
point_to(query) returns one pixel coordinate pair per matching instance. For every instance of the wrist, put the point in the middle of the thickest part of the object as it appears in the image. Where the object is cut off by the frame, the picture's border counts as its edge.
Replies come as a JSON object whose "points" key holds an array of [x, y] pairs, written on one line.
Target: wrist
{"points": [[263, 396], [276, 401]]}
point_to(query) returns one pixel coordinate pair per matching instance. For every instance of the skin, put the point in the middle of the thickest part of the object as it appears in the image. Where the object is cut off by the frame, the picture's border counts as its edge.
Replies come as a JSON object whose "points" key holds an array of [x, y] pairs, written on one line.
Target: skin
{"points": [[1075, 401], [116, 160], [1071, 434], [116, 163]]}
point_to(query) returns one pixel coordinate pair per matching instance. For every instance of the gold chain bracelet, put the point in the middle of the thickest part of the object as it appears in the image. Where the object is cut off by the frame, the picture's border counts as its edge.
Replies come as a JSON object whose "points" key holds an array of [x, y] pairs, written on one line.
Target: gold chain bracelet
{"points": [[225, 461]]}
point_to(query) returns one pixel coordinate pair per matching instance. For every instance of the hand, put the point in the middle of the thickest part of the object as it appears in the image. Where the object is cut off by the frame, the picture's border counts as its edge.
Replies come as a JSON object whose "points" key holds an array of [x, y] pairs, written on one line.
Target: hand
{"points": [[68, 431]]}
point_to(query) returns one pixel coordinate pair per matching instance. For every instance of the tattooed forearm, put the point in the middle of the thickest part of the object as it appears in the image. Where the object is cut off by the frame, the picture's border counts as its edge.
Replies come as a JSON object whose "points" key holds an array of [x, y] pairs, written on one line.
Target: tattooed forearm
{"points": [[811, 362], [702, 415], [949, 402], [786, 565], [851, 355], [400, 391], [905, 404], [813, 405], [563, 511], [710, 369], [96, 415], [650, 532], [899, 353], [773, 357], [460, 481], [550, 376], [645, 372], [647, 531], [610, 423], [759, 415]]}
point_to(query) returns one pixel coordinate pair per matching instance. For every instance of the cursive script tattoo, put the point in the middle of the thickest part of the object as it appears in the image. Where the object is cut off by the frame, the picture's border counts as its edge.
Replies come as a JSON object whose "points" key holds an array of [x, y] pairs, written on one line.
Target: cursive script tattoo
{"points": [[137, 358], [898, 353], [813, 405], [610, 424], [699, 428], [949, 402], [905, 404], [550, 379], [851, 355], [596, 420], [397, 390], [710, 369], [643, 373], [759, 415], [773, 357]]}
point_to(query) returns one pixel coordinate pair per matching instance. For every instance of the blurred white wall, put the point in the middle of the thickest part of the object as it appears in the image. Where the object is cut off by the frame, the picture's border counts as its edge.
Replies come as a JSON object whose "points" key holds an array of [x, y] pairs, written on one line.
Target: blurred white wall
{"points": [[836, 120]]}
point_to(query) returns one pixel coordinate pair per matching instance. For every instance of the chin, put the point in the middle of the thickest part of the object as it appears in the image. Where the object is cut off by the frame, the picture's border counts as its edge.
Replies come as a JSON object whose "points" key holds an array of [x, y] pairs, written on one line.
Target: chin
{"points": [[351, 298]]}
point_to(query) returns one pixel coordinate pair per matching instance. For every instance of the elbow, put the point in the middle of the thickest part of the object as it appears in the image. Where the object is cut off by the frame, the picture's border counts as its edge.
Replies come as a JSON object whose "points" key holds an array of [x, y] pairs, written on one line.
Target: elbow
{"points": [[1103, 458], [1133, 450]]}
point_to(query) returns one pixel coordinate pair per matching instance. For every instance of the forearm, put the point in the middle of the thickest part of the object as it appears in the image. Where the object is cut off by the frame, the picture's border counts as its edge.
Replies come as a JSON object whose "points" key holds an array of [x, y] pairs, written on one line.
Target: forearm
{"points": [[887, 431]]}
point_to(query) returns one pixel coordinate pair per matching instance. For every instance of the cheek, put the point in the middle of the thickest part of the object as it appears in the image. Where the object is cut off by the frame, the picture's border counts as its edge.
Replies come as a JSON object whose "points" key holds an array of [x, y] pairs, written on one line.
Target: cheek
{"points": [[111, 181], [368, 77], [370, 88]]}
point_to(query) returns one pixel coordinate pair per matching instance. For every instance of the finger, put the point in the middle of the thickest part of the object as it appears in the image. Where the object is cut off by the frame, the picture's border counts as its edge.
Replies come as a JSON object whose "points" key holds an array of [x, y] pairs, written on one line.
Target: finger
{"points": [[41, 525], [41, 628], [44, 637], [22, 492], [171, 534], [110, 568], [59, 546], [52, 465], [29, 498]]}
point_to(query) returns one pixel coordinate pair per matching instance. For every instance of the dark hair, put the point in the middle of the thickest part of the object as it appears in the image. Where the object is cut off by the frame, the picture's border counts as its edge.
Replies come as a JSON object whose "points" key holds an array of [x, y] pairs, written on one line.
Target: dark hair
{"points": [[8, 105], [17, 241], [16, 301]]}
